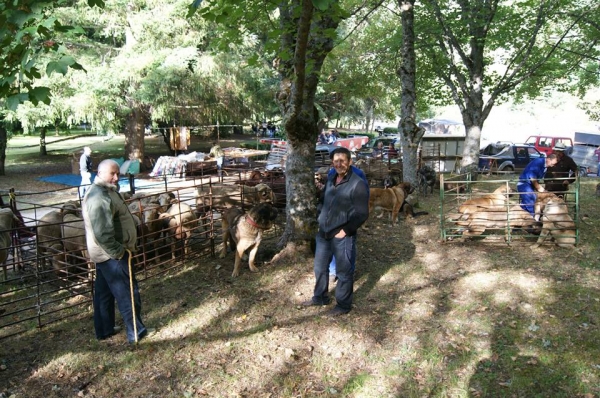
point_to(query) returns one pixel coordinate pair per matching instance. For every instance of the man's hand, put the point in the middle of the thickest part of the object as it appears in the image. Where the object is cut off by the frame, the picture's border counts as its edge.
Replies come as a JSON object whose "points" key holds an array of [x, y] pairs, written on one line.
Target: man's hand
{"points": [[341, 234], [541, 189], [565, 183]]}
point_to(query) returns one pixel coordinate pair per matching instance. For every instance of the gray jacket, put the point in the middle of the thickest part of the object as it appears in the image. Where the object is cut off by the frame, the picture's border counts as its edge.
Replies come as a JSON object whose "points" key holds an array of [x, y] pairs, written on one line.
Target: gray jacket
{"points": [[109, 225]]}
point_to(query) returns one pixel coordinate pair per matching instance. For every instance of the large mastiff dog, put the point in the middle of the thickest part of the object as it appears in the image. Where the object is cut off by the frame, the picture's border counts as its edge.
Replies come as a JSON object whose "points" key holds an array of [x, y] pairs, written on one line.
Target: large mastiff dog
{"points": [[392, 199], [244, 232], [557, 224]]}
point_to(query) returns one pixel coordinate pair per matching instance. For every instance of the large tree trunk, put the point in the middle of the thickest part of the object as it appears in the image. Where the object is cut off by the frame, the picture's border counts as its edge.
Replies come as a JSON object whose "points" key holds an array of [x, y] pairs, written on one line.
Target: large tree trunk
{"points": [[410, 132], [134, 135], [3, 145], [307, 35]]}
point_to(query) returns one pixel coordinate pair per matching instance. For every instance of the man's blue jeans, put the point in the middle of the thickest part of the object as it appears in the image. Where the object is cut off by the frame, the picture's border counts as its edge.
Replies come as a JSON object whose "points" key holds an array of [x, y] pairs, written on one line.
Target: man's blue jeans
{"points": [[112, 283], [527, 197], [344, 252]]}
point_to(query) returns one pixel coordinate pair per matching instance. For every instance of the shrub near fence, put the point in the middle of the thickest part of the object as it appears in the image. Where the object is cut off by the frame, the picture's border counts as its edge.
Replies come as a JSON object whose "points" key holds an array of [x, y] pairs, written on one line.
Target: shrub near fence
{"points": [[503, 223], [46, 286]]}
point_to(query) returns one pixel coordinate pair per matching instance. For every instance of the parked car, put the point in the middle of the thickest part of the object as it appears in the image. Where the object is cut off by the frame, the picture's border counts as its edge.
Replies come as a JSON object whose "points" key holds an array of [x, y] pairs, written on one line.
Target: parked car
{"points": [[544, 143], [586, 159], [512, 158]]}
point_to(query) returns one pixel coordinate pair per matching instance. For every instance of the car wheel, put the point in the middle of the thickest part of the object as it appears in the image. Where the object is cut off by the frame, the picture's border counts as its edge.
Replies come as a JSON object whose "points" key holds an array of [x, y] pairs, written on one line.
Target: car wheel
{"points": [[583, 172], [510, 169]]}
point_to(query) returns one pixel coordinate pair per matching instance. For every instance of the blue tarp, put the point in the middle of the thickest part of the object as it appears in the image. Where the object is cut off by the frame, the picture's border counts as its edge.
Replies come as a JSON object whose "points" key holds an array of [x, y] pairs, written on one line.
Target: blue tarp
{"points": [[74, 180]]}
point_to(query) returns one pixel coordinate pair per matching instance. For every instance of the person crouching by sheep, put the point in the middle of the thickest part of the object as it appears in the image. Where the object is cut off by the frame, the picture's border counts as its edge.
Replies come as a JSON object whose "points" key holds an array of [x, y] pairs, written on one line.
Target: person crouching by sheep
{"points": [[528, 183]]}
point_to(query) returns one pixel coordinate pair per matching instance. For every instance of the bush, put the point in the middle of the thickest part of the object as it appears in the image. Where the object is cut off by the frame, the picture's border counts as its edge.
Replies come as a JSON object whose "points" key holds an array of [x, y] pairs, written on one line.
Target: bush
{"points": [[390, 130]]}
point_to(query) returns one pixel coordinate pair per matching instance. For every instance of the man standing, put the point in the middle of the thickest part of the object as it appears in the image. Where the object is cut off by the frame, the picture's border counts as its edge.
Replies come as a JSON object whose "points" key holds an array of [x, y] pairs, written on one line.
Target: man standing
{"points": [[111, 236], [343, 208], [565, 167], [85, 169], [528, 180]]}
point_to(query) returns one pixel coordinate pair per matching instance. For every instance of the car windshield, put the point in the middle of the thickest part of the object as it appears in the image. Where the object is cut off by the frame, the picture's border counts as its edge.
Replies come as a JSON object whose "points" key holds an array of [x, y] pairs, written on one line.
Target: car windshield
{"points": [[506, 151]]}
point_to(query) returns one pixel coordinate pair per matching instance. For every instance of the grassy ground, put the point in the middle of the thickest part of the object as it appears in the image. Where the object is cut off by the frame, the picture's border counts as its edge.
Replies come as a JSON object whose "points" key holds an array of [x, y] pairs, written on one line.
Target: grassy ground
{"points": [[431, 318]]}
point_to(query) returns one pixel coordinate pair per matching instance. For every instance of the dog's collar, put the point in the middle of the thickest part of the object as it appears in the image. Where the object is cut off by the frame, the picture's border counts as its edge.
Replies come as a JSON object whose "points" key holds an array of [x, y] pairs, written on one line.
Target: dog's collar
{"points": [[250, 221]]}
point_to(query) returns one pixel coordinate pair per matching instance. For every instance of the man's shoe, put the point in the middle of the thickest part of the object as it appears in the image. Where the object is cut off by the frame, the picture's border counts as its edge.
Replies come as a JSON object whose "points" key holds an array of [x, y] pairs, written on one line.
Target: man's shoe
{"points": [[337, 311], [149, 332], [311, 303], [116, 330]]}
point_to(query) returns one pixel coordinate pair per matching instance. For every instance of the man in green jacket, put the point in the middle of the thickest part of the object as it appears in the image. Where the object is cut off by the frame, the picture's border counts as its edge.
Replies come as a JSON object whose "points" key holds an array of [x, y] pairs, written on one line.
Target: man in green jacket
{"points": [[111, 238]]}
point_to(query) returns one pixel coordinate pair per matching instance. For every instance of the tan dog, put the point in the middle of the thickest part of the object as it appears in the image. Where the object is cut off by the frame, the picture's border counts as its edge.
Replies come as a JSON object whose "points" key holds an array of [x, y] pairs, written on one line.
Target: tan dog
{"points": [[384, 199], [244, 232], [557, 224], [402, 191], [496, 200]]}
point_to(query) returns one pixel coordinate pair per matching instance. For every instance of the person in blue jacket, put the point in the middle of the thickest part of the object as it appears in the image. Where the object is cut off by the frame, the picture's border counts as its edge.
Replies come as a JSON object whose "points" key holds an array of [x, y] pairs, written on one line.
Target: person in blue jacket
{"points": [[342, 209], [528, 183]]}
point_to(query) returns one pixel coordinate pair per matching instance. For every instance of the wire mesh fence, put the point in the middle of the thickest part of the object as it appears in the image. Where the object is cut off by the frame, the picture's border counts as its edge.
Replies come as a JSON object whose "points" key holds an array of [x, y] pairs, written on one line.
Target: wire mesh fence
{"points": [[47, 275]]}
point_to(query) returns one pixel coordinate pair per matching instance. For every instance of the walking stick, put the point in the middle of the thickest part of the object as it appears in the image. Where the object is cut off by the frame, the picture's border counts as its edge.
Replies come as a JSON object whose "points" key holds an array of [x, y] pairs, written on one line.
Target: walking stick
{"points": [[132, 298]]}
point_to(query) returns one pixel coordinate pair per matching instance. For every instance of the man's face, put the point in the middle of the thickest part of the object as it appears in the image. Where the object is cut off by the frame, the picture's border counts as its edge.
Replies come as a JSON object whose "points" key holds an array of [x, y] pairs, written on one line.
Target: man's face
{"points": [[341, 163], [551, 162], [559, 154], [109, 174]]}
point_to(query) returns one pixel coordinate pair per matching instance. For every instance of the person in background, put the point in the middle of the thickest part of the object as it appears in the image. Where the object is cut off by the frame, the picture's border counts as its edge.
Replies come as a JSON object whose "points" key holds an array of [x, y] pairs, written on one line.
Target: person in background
{"points": [[565, 167], [392, 152], [85, 169], [322, 138], [597, 153], [331, 137], [111, 236], [528, 181], [378, 151], [217, 153], [342, 209]]}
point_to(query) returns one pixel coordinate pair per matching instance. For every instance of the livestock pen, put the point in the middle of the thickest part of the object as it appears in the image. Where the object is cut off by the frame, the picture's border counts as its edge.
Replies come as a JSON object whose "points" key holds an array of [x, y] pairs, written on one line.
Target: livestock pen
{"points": [[489, 210], [48, 275]]}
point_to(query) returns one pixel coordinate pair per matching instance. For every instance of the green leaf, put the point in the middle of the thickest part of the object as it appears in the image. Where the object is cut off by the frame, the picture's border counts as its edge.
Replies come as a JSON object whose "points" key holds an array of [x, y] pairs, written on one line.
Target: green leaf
{"points": [[77, 66], [67, 60], [54, 66], [322, 4], [39, 94], [220, 19], [253, 60], [13, 101], [99, 3]]}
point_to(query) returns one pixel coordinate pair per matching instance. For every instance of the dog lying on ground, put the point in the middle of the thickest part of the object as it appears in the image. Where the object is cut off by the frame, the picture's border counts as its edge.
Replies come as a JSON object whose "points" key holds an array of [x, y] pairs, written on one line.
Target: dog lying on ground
{"points": [[557, 224], [496, 200], [243, 231]]}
